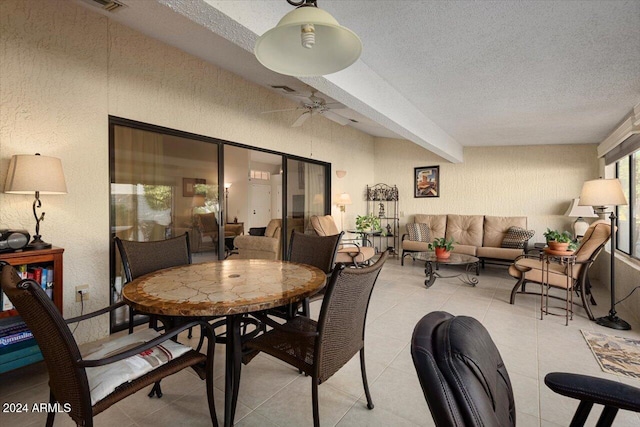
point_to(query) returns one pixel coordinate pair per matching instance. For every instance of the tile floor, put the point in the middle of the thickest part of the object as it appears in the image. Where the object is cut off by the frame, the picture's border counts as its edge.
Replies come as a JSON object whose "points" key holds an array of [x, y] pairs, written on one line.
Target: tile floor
{"points": [[274, 394]]}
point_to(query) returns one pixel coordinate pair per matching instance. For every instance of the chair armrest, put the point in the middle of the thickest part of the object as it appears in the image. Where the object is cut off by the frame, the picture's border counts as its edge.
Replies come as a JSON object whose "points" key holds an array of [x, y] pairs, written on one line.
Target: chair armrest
{"points": [[282, 326], [596, 390], [404, 236], [95, 313], [87, 363]]}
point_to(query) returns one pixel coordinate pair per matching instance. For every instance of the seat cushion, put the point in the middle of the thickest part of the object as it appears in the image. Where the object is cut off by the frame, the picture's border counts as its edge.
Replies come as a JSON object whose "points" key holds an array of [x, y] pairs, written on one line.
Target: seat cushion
{"points": [[409, 245], [346, 254], [465, 249], [499, 253], [103, 380], [465, 229], [557, 272], [516, 237]]}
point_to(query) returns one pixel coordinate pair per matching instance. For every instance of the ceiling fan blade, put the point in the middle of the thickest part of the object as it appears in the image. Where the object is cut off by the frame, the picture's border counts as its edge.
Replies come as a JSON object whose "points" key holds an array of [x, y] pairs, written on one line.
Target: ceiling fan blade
{"points": [[303, 118], [278, 111], [335, 117], [335, 106]]}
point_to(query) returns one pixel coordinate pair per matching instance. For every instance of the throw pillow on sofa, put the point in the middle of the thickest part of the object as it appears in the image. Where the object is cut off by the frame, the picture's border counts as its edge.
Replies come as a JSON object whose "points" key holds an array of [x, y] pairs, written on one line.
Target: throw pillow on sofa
{"points": [[516, 238], [418, 232]]}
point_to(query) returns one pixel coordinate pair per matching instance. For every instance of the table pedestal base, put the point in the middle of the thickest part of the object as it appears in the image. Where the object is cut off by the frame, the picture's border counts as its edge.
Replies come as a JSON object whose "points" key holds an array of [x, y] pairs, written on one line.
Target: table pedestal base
{"points": [[464, 276]]}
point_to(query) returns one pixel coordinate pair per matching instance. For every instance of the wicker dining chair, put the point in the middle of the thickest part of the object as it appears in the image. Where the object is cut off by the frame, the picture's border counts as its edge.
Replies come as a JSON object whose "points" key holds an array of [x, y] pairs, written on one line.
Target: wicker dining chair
{"points": [[320, 349], [318, 251], [140, 258], [78, 382]]}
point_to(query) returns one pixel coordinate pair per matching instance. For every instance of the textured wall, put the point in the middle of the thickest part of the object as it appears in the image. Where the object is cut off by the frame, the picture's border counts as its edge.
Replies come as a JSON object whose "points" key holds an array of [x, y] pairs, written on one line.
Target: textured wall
{"points": [[64, 69], [533, 181]]}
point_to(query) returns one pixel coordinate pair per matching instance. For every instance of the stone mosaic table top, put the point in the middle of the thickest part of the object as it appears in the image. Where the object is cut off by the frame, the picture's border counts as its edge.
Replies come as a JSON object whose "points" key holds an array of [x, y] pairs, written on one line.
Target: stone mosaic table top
{"points": [[225, 287]]}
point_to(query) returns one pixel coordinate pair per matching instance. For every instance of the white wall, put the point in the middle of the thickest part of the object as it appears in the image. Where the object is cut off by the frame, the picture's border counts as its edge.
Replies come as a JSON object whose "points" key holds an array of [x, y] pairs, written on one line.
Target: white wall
{"points": [[533, 181], [65, 69]]}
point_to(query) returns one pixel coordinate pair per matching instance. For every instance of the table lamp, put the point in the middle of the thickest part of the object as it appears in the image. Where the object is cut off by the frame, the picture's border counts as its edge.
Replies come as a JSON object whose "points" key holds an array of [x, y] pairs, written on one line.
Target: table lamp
{"points": [[35, 174], [576, 210], [601, 193]]}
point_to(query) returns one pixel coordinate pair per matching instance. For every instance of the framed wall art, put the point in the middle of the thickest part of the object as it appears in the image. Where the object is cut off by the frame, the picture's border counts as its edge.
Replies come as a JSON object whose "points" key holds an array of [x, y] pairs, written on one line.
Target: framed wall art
{"points": [[189, 186], [426, 181]]}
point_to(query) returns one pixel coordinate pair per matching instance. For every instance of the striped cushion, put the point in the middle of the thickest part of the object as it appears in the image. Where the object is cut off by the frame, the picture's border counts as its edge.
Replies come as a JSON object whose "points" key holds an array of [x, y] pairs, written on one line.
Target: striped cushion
{"points": [[418, 232], [516, 237]]}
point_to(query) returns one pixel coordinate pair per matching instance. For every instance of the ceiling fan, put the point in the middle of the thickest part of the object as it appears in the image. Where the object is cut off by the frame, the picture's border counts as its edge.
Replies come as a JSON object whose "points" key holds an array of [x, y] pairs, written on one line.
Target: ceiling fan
{"points": [[312, 105]]}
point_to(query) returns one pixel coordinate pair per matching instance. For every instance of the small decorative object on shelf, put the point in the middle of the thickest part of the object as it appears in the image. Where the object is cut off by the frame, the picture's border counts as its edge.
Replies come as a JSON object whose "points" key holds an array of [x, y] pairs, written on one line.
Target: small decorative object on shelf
{"points": [[389, 232], [381, 211]]}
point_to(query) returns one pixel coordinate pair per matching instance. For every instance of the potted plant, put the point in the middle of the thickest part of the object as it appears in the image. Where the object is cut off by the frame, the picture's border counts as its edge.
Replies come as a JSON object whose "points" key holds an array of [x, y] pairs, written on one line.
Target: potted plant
{"points": [[368, 222], [442, 247], [557, 241]]}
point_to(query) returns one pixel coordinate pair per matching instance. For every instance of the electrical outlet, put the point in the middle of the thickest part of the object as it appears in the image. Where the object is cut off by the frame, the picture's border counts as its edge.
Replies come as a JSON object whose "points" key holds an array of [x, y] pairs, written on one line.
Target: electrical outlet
{"points": [[82, 293]]}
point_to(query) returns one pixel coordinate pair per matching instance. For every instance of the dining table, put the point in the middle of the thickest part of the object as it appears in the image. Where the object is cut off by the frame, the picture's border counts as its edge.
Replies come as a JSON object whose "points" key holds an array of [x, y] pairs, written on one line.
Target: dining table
{"points": [[229, 288]]}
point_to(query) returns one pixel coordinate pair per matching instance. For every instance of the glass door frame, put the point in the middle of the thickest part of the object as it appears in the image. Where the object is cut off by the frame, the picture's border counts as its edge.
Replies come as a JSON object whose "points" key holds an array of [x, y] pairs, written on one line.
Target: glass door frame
{"points": [[119, 121]]}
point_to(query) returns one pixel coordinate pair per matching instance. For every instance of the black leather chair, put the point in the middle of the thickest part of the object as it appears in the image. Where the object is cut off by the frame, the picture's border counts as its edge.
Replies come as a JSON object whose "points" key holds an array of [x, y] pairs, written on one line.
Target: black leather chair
{"points": [[465, 382]]}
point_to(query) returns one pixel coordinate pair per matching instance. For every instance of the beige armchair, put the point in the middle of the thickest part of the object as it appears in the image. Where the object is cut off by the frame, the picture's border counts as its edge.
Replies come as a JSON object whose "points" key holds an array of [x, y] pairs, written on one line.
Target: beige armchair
{"points": [[528, 268], [349, 252], [261, 247]]}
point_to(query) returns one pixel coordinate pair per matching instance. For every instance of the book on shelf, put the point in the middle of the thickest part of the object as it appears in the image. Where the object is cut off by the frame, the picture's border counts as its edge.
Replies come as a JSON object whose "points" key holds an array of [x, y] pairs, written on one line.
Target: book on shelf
{"points": [[6, 303]]}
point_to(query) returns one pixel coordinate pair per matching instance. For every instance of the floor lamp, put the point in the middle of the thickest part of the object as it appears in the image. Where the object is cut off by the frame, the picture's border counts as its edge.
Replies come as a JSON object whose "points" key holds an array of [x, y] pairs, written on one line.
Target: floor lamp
{"points": [[227, 185], [601, 193]]}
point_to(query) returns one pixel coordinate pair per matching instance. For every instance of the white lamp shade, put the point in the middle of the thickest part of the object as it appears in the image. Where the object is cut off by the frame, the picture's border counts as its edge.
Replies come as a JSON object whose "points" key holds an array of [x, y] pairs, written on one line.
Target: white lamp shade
{"points": [[30, 173], [344, 199], [280, 49], [602, 192], [227, 185], [576, 210]]}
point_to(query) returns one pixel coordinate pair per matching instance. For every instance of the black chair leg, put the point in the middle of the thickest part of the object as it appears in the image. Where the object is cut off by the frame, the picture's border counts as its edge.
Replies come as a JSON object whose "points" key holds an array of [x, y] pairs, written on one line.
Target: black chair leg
{"points": [[52, 414], [190, 334], [607, 416], [365, 383], [314, 401], [581, 415], [156, 390]]}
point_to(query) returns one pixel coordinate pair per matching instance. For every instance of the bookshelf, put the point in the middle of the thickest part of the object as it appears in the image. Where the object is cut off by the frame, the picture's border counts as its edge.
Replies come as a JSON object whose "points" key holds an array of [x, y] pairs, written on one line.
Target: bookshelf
{"points": [[382, 201], [21, 353]]}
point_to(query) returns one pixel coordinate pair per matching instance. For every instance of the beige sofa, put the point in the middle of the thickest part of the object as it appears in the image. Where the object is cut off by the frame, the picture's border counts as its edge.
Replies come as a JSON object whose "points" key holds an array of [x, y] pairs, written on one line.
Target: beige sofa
{"points": [[476, 235]]}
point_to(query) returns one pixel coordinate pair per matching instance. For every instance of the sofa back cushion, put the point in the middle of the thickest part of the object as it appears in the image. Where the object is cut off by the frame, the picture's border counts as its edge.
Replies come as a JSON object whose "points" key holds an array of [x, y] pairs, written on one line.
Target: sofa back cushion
{"points": [[465, 229], [437, 224], [324, 225], [273, 228], [496, 227]]}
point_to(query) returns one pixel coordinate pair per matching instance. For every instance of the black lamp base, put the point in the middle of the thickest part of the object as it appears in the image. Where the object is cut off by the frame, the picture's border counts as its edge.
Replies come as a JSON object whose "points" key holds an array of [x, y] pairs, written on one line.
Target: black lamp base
{"points": [[613, 322], [37, 243]]}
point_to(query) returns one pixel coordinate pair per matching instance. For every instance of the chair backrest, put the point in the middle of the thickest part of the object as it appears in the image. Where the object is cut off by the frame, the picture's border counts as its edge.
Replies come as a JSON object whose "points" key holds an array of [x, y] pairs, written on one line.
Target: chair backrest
{"points": [[273, 228], [462, 374], [68, 383], [140, 258], [343, 315], [324, 225], [318, 251], [596, 236], [207, 222]]}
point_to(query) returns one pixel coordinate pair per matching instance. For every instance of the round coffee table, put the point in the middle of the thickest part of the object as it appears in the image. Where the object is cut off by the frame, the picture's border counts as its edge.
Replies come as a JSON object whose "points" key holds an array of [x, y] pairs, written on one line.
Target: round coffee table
{"points": [[469, 262]]}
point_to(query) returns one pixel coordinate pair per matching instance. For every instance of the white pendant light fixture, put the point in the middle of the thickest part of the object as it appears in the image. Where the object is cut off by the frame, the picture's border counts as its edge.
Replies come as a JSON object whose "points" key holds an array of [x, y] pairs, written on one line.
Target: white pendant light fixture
{"points": [[308, 42]]}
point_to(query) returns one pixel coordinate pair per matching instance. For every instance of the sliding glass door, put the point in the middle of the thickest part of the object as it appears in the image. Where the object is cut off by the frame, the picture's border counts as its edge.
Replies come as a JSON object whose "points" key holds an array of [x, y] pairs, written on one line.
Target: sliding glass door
{"points": [[162, 185]]}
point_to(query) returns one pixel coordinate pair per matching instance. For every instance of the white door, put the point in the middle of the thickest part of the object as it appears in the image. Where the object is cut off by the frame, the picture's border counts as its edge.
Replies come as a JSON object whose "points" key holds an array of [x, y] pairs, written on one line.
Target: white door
{"points": [[259, 205]]}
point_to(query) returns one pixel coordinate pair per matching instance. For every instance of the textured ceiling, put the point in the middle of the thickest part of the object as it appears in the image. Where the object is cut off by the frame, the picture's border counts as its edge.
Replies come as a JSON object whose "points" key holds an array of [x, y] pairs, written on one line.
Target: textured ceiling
{"points": [[443, 74]]}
